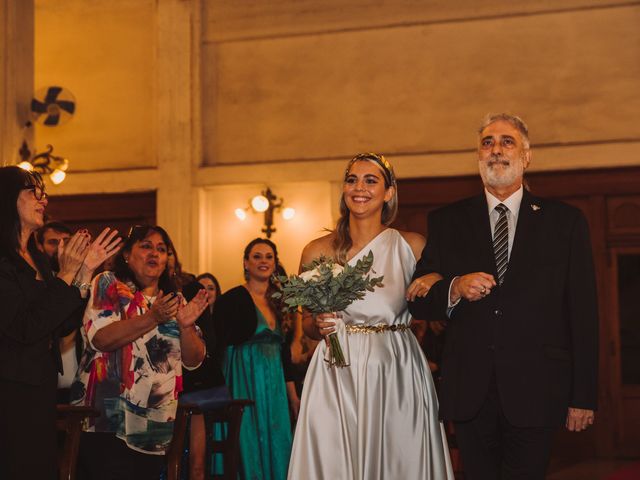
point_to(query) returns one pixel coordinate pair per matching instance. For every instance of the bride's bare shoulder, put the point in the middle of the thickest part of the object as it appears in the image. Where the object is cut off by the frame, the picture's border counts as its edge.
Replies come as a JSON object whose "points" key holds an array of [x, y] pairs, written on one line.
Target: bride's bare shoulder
{"points": [[319, 246], [415, 241]]}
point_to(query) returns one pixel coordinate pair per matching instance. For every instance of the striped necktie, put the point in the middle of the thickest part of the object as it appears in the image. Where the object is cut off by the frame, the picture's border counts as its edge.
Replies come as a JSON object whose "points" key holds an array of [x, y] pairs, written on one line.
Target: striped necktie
{"points": [[501, 242]]}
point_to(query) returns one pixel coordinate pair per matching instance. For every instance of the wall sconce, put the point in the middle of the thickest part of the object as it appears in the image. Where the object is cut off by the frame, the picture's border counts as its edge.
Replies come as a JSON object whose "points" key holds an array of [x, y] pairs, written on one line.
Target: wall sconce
{"points": [[266, 203], [44, 163]]}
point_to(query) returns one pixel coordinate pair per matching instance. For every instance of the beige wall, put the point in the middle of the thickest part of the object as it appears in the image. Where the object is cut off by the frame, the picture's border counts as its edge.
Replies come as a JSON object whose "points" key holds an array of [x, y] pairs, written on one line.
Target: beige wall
{"points": [[327, 88], [103, 51], [223, 236], [214, 100], [16, 77]]}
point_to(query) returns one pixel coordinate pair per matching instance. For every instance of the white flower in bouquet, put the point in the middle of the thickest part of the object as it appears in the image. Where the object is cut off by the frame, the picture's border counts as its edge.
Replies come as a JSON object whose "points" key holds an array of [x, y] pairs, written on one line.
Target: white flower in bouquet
{"points": [[325, 286], [314, 273]]}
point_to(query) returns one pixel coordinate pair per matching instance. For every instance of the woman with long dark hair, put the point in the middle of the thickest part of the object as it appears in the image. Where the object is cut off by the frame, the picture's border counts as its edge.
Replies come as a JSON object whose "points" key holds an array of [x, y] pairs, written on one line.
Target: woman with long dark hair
{"points": [[257, 364], [211, 284], [38, 309], [139, 333], [207, 376]]}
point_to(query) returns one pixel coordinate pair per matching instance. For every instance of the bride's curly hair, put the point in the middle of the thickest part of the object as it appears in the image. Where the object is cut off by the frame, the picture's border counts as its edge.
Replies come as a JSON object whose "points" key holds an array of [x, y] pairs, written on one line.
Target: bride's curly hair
{"points": [[342, 241]]}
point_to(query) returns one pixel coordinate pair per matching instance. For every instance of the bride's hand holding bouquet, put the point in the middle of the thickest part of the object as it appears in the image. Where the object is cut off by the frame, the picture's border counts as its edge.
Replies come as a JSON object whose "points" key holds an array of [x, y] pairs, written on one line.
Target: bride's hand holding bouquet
{"points": [[325, 288]]}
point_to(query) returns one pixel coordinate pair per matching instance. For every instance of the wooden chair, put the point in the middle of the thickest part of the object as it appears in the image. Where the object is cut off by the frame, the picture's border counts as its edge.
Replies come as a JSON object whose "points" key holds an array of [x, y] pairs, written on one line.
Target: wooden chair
{"points": [[229, 447], [69, 421]]}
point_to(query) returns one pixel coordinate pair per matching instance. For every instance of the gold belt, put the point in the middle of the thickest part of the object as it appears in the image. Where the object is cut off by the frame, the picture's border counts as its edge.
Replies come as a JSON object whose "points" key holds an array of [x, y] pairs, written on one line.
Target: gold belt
{"points": [[379, 328]]}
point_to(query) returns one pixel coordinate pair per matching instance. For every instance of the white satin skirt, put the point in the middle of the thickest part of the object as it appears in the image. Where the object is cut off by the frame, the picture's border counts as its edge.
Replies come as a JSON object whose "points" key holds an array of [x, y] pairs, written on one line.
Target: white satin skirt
{"points": [[375, 419]]}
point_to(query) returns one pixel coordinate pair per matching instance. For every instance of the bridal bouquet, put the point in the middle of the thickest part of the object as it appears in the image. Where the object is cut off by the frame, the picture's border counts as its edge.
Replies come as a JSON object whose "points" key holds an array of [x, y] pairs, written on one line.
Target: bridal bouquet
{"points": [[325, 286]]}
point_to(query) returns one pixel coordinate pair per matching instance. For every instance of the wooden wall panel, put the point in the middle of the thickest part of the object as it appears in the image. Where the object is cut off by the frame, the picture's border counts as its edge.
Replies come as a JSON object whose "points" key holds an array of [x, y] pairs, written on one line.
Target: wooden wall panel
{"points": [[94, 212]]}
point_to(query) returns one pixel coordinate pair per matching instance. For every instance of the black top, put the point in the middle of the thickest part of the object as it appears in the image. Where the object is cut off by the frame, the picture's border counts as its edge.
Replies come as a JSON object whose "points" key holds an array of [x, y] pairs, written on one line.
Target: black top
{"points": [[208, 374], [35, 314], [235, 320]]}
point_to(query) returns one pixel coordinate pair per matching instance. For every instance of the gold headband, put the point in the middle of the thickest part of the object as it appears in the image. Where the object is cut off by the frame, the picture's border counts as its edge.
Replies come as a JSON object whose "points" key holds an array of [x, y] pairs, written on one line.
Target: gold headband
{"points": [[382, 162]]}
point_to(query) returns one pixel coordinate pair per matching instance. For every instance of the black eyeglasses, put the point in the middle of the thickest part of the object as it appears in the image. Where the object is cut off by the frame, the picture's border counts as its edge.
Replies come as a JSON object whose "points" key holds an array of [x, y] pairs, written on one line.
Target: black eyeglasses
{"points": [[38, 191]]}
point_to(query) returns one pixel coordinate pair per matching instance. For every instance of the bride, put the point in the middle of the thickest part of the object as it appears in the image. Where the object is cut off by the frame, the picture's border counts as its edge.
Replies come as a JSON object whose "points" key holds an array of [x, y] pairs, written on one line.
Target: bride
{"points": [[376, 418]]}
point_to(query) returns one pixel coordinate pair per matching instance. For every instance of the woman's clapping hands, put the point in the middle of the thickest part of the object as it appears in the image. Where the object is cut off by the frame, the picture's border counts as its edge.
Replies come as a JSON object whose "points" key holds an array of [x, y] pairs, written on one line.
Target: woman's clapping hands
{"points": [[165, 307], [103, 247], [71, 255], [189, 313]]}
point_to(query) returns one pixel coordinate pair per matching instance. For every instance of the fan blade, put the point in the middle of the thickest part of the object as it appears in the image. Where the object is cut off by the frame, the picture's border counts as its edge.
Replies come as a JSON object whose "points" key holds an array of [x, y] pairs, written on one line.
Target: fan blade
{"points": [[52, 120], [67, 106], [37, 106], [52, 94]]}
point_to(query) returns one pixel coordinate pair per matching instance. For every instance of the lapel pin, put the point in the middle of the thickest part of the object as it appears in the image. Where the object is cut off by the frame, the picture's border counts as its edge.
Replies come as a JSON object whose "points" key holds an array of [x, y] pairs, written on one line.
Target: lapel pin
{"points": [[535, 207]]}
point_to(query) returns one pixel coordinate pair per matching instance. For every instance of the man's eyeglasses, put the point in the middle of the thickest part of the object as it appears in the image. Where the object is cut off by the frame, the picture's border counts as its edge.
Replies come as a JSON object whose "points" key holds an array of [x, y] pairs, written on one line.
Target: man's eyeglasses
{"points": [[38, 191]]}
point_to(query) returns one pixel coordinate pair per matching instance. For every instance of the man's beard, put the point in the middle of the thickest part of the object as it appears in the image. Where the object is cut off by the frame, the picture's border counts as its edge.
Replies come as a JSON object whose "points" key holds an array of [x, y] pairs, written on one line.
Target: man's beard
{"points": [[494, 175]]}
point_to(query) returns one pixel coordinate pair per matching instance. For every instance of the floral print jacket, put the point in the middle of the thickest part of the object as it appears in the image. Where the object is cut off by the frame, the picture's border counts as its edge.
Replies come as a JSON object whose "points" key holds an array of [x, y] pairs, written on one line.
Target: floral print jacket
{"points": [[135, 387]]}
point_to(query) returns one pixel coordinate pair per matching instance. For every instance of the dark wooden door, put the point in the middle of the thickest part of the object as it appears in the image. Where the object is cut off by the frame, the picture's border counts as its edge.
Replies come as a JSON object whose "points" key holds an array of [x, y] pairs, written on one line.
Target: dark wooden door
{"points": [[610, 200]]}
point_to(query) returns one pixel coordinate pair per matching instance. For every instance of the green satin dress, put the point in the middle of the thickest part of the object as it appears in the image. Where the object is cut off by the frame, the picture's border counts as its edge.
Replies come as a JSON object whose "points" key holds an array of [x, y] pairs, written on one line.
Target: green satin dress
{"points": [[253, 370]]}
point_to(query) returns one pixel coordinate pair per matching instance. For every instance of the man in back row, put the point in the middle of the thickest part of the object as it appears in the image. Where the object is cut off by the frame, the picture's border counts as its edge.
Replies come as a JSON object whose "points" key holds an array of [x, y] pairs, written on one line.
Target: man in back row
{"points": [[48, 239], [521, 356]]}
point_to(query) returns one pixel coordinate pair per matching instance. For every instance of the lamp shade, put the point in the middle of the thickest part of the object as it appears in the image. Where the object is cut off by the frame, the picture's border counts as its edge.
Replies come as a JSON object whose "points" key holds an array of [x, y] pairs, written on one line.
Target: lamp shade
{"points": [[260, 203]]}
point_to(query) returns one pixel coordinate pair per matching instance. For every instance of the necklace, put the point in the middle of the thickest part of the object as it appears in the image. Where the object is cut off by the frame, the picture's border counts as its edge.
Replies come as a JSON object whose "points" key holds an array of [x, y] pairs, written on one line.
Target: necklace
{"points": [[149, 299]]}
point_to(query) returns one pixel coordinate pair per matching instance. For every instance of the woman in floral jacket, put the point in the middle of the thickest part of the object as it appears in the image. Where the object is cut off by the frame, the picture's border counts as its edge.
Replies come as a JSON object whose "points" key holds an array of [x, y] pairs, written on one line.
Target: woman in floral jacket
{"points": [[138, 334]]}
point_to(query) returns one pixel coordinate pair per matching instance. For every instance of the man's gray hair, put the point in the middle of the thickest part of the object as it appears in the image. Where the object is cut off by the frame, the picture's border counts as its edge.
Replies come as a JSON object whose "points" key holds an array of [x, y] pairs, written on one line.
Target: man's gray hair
{"points": [[514, 120]]}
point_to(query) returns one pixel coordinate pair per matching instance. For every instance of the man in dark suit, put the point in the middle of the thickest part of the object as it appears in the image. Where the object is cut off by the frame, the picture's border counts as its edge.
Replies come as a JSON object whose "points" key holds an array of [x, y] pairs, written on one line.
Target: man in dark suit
{"points": [[521, 357]]}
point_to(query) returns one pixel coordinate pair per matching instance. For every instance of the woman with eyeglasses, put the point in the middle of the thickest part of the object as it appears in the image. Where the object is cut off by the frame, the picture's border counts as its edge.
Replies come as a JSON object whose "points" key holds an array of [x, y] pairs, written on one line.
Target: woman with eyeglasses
{"points": [[139, 335], [37, 309]]}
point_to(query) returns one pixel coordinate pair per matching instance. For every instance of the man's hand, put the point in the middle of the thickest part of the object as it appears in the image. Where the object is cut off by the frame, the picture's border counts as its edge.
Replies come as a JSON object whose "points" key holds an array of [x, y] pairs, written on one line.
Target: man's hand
{"points": [[579, 419], [472, 287]]}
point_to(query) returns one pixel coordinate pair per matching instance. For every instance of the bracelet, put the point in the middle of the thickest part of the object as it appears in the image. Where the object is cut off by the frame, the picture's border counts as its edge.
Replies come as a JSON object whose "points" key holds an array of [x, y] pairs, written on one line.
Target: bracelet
{"points": [[79, 285]]}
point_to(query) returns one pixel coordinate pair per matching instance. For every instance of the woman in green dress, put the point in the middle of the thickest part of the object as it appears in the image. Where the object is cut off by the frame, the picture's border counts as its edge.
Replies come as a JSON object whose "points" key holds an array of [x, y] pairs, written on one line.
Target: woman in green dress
{"points": [[257, 365]]}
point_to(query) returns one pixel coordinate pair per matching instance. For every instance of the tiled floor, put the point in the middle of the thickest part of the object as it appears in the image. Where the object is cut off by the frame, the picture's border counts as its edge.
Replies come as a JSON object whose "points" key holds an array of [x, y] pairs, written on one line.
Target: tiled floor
{"points": [[591, 470]]}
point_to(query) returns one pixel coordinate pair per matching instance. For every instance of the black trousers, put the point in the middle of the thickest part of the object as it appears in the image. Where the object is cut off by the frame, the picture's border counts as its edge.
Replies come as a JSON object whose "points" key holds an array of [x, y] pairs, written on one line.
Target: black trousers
{"points": [[103, 456], [494, 449], [28, 441]]}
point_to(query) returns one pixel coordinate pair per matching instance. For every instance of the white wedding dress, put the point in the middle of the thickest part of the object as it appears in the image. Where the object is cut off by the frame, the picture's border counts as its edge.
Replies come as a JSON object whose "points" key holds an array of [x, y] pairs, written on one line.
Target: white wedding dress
{"points": [[378, 417]]}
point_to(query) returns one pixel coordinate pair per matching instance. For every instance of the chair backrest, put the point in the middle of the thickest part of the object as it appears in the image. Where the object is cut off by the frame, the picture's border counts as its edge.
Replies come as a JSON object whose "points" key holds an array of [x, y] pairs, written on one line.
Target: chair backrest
{"points": [[69, 421], [229, 447]]}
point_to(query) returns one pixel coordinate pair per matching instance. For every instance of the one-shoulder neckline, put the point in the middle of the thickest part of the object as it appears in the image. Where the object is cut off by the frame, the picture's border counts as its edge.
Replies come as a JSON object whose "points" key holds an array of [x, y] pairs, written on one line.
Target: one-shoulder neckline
{"points": [[357, 254]]}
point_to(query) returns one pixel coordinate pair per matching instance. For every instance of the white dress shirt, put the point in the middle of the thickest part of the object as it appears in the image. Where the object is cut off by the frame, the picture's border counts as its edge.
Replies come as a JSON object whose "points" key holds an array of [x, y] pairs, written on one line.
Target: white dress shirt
{"points": [[513, 208]]}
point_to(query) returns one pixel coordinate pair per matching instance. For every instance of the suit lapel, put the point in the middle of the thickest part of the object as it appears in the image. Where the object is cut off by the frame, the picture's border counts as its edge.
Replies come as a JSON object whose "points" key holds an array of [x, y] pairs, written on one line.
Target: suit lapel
{"points": [[529, 216], [481, 233]]}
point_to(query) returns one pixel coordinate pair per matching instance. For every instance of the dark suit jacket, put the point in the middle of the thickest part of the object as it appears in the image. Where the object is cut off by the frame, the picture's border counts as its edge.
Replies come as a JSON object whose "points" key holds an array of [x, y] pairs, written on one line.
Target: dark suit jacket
{"points": [[537, 333], [34, 316]]}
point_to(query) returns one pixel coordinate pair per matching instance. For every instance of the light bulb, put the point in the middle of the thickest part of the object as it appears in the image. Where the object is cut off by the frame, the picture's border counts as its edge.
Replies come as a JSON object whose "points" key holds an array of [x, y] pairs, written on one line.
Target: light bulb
{"points": [[57, 176], [240, 213], [26, 166], [260, 203], [288, 213], [64, 164]]}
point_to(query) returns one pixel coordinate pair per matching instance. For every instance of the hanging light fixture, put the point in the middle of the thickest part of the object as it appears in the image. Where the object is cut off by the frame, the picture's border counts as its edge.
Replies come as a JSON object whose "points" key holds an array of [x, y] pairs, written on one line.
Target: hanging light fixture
{"points": [[266, 203], [45, 163]]}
